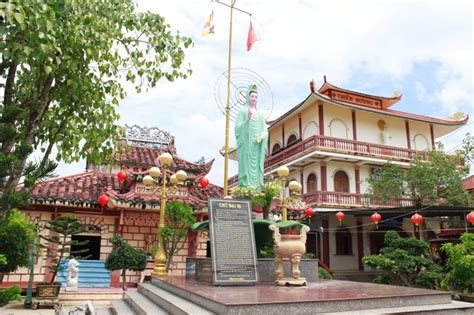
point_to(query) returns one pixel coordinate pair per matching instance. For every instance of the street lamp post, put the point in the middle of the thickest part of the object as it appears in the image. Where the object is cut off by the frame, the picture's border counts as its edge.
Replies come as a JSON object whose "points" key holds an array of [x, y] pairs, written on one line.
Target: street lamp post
{"points": [[153, 180]]}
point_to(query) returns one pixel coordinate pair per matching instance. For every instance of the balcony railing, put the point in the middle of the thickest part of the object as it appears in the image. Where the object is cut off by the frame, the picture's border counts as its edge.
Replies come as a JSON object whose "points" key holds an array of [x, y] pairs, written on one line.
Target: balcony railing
{"points": [[343, 145], [324, 143], [339, 199]]}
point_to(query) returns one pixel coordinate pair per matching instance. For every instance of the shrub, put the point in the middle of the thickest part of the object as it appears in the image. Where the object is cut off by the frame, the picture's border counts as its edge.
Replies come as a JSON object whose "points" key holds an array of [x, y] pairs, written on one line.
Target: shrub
{"points": [[124, 257], [323, 274], [10, 294], [460, 264], [16, 237]]}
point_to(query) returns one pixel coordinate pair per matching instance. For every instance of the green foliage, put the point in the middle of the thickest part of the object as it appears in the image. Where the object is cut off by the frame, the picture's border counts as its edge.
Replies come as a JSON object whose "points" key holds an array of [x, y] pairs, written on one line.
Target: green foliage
{"points": [[308, 256], [383, 279], [61, 230], [387, 183], [261, 198], [323, 274], [64, 65], [407, 260], [10, 294], [16, 237], [3, 260], [124, 257], [439, 182], [266, 252], [179, 218], [460, 264]]}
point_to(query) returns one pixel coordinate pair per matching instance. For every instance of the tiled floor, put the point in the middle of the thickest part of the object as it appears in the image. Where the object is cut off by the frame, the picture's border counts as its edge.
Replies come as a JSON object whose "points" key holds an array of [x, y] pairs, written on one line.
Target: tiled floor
{"points": [[332, 290]]}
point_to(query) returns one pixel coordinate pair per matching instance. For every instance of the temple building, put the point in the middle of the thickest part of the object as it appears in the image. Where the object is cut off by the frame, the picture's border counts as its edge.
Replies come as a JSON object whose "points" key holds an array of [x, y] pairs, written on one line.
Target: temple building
{"points": [[332, 142], [132, 211]]}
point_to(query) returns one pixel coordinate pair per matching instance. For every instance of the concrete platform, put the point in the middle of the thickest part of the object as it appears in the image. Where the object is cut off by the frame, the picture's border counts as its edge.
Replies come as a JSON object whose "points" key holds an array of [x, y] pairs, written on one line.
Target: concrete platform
{"points": [[318, 297]]}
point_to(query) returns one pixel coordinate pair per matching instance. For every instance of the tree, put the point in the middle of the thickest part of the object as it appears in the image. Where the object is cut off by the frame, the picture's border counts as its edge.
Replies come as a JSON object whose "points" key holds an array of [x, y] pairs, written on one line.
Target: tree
{"points": [[124, 257], [179, 218], [460, 264], [63, 67], [436, 182], [16, 237], [407, 260], [61, 230]]}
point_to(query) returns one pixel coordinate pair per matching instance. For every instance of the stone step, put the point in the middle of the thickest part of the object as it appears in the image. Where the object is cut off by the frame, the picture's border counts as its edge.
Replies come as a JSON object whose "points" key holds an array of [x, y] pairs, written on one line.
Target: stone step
{"points": [[103, 311], [97, 298], [170, 302], [120, 307], [454, 307], [143, 305]]}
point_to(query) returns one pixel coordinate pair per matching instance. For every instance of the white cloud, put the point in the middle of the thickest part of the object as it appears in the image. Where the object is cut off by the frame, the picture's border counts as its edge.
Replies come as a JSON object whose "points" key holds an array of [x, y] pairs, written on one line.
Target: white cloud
{"points": [[301, 40]]}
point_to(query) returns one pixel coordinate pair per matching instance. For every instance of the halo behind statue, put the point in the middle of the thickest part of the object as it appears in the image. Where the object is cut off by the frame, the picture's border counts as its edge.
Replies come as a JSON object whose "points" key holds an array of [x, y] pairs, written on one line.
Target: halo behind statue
{"points": [[240, 80]]}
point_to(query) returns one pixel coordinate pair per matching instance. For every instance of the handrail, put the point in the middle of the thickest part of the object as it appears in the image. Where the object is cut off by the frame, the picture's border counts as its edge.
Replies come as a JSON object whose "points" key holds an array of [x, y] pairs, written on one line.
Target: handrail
{"points": [[351, 199]]}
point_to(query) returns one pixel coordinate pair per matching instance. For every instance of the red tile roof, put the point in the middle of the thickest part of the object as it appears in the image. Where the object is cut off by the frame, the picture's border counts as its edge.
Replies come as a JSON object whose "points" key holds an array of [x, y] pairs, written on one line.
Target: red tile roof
{"points": [[88, 186], [146, 157], [469, 183]]}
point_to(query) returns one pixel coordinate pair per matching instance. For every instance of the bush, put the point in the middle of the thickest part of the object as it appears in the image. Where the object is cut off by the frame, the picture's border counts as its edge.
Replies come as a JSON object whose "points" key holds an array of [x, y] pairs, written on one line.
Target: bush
{"points": [[407, 260], [460, 264], [124, 257], [16, 237], [10, 294], [323, 274], [383, 279]]}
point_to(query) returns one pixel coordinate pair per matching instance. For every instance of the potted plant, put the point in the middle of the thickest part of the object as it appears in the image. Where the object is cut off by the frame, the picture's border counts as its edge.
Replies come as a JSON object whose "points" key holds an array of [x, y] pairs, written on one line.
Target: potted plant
{"points": [[61, 231]]}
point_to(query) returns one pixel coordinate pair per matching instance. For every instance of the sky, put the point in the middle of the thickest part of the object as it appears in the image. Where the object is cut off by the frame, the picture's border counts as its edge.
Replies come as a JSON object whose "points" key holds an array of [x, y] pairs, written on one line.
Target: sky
{"points": [[422, 48]]}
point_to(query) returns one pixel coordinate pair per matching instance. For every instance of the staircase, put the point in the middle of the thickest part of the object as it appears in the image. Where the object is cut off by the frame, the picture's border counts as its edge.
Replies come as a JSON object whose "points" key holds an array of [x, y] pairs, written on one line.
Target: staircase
{"points": [[92, 273], [357, 275], [154, 300], [170, 297]]}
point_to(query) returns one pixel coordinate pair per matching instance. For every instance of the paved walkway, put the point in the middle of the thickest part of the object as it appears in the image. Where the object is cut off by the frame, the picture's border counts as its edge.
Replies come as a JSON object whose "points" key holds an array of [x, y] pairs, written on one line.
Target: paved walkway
{"points": [[17, 308]]}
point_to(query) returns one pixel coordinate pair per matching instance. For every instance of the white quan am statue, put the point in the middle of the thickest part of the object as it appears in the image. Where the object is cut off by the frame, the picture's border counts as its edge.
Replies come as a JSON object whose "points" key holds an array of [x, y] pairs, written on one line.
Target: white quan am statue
{"points": [[72, 275]]}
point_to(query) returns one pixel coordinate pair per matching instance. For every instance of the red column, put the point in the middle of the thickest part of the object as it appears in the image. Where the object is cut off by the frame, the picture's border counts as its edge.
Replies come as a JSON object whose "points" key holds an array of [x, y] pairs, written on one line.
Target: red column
{"points": [[283, 135], [324, 178], [354, 126], [433, 145], [360, 244], [302, 181], [357, 179], [407, 128], [326, 258], [192, 243], [321, 119], [300, 126]]}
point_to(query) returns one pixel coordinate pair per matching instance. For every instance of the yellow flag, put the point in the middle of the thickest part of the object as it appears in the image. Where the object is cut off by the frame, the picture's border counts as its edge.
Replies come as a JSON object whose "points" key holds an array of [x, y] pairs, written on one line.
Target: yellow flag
{"points": [[209, 26]]}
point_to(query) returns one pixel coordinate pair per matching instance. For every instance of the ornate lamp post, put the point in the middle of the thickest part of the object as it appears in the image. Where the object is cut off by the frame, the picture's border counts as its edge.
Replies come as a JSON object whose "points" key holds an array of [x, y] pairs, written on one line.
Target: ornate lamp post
{"points": [[283, 172], [157, 180]]}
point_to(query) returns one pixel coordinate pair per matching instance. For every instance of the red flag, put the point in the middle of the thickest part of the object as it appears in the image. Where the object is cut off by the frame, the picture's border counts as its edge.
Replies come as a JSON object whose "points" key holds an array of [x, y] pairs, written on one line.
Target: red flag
{"points": [[252, 37]]}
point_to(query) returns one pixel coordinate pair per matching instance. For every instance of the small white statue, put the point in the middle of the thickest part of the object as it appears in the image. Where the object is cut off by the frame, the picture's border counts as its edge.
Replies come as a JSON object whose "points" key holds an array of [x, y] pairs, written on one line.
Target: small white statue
{"points": [[72, 275]]}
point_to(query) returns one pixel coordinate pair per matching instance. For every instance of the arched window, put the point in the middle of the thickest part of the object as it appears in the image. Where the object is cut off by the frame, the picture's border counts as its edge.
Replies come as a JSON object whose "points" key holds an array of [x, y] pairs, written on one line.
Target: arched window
{"points": [[338, 129], [311, 129], [311, 183], [291, 140], [276, 148], [341, 182], [421, 143], [343, 242]]}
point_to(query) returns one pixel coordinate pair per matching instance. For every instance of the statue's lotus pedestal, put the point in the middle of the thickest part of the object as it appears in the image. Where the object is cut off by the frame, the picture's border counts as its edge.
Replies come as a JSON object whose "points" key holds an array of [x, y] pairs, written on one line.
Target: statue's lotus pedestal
{"points": [[201, 269]]}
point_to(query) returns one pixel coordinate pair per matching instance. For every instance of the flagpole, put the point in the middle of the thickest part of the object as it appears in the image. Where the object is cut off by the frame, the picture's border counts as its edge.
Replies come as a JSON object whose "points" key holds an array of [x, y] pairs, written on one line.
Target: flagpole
{"points": [[227, 108]]}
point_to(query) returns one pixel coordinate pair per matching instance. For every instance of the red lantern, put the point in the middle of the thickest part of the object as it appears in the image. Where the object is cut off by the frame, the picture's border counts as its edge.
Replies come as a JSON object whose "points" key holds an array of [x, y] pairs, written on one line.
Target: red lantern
{"points": [[340, 216], [203, 182], [309, 212], [122, 176], [103, 200], [376, 217], [416, 219], [470, 217]]}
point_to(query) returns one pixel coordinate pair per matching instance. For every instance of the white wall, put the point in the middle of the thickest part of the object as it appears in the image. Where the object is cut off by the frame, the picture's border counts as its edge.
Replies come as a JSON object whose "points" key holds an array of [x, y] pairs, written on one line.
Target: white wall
{"points": [[343, 262], [334, 116]]}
